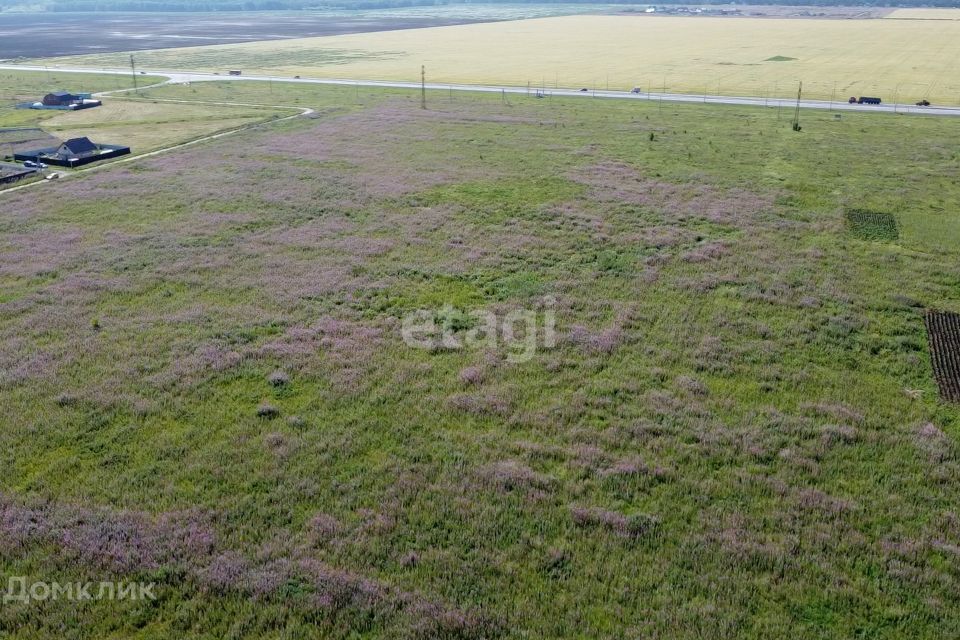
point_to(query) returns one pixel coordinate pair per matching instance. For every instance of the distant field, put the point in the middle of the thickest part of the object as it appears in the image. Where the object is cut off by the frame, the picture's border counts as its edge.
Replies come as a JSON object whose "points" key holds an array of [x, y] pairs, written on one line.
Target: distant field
{"points": [[62, 34], [925, 14], [909, 59]]}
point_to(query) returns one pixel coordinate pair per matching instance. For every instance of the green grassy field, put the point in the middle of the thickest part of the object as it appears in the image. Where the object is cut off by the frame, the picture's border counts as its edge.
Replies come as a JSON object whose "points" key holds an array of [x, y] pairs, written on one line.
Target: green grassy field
{"points": [[736, 434]]}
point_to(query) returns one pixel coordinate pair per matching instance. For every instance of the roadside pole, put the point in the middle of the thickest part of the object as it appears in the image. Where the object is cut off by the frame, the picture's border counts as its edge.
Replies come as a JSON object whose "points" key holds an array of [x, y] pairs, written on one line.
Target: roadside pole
{"points": [[423, 86], [133, 74]]}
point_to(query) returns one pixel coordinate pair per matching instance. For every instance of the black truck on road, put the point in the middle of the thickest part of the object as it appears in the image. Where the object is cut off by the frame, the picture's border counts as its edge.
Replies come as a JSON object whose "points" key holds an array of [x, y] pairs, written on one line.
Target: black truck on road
{"points": [[864, 100]]}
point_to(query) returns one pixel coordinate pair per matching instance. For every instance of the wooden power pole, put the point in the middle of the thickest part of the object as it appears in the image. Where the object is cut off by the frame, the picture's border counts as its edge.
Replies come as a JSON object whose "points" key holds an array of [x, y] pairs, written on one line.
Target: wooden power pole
{"points": [[423, 86], [133, 72], [796, 114]]}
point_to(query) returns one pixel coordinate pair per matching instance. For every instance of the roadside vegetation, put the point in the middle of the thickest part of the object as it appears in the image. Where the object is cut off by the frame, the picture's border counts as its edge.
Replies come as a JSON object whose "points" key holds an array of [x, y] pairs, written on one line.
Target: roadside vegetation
{"points": [[737, 433]]}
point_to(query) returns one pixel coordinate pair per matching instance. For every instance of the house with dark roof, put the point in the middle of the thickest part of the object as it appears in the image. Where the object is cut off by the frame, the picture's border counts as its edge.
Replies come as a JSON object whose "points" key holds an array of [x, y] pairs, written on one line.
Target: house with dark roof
{"points": [[78, 148], [64, 101], [73, 153], [60, 99]]}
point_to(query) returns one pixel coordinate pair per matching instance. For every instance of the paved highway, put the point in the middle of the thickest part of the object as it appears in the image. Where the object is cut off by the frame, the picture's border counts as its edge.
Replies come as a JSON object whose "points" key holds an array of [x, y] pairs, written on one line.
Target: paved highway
{"points": [[185, 76]]}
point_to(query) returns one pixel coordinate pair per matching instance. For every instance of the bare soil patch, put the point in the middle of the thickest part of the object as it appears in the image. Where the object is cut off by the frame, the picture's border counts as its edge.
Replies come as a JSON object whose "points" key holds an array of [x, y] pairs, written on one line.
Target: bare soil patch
{"points": [[45, 34]]}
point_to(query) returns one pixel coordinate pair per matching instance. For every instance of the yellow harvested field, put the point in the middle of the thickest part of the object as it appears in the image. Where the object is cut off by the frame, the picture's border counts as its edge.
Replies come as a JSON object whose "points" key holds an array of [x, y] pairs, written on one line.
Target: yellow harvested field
{"points": [[909, 59], [925, 14]]}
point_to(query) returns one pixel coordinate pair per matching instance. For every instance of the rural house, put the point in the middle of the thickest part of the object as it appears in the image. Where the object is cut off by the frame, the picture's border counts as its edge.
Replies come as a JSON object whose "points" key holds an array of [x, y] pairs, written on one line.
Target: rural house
{"points": [[73, 153], [60, 99], [78, 148], [63, 101]]}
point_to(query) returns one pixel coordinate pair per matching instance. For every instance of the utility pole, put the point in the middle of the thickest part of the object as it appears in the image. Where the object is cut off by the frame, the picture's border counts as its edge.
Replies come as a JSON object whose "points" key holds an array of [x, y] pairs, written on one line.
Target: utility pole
{"points": [[796, 115], [133, 72], [663, 92], [423, 86]]}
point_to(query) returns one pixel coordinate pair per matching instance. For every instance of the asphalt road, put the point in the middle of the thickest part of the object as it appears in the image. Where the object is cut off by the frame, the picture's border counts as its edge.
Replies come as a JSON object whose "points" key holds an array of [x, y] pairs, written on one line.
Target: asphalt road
{"points": [[184, 76]]}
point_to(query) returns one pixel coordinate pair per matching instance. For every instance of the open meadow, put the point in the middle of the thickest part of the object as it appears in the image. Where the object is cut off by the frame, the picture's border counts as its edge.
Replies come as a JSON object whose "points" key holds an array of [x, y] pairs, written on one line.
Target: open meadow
{"points": [[736, 432], [907, 60]]}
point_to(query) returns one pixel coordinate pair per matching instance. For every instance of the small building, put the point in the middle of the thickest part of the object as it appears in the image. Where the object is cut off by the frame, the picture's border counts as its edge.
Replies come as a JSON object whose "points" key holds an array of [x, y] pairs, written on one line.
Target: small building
{"points": [[64, 101], [75, 152], [60, 99], [78, 148]]}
